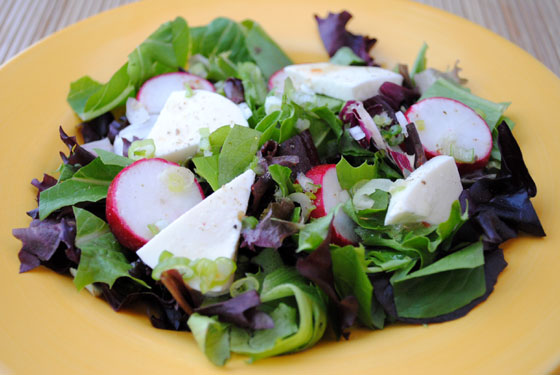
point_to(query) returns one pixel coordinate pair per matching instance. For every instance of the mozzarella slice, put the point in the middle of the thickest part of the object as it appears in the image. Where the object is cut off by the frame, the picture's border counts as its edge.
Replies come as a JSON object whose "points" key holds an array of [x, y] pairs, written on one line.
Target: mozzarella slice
{"points": [[339, 81], [211, 229], [427, 193], [176, 133]]}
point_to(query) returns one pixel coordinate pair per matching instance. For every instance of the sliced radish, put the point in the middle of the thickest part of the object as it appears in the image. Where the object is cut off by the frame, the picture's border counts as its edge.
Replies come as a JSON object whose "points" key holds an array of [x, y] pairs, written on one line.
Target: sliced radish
{"points": [[276, 81], [448, 127], [148, 195], [155, 91], [329, 196]]}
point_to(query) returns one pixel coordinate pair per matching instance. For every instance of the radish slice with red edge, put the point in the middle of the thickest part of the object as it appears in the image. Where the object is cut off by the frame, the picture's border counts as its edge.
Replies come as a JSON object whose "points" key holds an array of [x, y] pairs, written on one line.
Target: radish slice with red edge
{"points": [[449, 127], [155, 91], [146, 196], [276, 81], [328, 197]]}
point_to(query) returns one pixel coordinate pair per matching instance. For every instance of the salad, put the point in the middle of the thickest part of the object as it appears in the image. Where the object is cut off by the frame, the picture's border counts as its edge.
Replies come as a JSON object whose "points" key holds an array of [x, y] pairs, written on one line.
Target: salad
{"points": [[259, 203]]}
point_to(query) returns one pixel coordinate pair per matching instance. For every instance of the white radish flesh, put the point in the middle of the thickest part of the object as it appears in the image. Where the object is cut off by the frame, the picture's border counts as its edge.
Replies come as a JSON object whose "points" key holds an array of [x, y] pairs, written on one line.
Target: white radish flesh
{"points": [[448, 127], [155, 91], [148, 195], [329, 196]]}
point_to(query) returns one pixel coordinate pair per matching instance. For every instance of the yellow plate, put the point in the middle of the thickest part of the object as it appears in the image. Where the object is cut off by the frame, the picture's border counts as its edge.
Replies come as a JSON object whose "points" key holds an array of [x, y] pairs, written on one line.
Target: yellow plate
{"points": [[46, 326]]}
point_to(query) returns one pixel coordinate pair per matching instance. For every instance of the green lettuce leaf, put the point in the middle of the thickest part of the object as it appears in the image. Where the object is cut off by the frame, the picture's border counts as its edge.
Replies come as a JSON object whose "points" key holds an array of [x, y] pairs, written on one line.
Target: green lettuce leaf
{"points": [[212, 337], [285, 324], [348, 175], [101, 259], [281, 175], [350, 277], [444, 286], [345, 56], [89, 184], [415, 241], [314, 233]]}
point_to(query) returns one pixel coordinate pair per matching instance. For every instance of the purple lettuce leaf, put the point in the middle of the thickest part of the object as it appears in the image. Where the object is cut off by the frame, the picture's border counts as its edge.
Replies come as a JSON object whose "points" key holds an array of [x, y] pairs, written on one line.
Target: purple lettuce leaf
{"points": [[97, 128], [241, 311], [40, 242], [233, 88], [494, 264], [162, 309], [398, 95], [116, 126], [412, 145], [317, 267], [513, 164], [334, 35], [273, 228], [500, 207], [297, 153], [47, 182], [77, 154]]}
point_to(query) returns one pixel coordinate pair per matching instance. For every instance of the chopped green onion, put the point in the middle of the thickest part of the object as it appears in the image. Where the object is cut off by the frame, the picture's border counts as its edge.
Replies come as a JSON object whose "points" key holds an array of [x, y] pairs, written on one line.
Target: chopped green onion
{"points": [[243, 285], [177, 179], [143, 149], [188, 90]]}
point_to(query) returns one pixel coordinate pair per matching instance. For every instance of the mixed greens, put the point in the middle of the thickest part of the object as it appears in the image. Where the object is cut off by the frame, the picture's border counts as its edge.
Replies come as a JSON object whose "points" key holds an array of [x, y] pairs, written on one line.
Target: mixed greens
{"points": [[292, 278]]}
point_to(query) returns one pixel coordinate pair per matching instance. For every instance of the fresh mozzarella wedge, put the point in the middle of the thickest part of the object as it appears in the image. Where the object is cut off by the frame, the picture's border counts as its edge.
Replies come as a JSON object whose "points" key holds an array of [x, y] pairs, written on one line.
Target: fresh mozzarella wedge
{"points": [[209, 230], [427, 194], [176, 133], [328, 197], [341, 82], [276, 81], [448, 127], [155, 91], [146, 196]]}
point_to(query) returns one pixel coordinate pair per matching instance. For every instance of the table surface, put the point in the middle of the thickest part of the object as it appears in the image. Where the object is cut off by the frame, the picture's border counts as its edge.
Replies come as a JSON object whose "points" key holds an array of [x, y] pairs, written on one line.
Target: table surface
{"points": [[531, 24]]}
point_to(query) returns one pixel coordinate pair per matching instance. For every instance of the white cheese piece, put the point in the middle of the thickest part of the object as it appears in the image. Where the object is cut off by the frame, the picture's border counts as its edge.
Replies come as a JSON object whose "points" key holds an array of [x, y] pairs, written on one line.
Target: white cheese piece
{"points": [[176, 133], [341, 82], [209, 230], [427, 193]]}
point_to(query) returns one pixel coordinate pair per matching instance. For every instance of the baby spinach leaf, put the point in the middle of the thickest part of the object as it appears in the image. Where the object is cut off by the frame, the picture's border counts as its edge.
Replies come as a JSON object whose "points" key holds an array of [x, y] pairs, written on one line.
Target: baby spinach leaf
{"points": [[442, 287], [88, 184], [101, 258], [164, 51], [254, 84], [207, 168], [264, 51], [238, 151], [281, 175], [219, 36]]}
